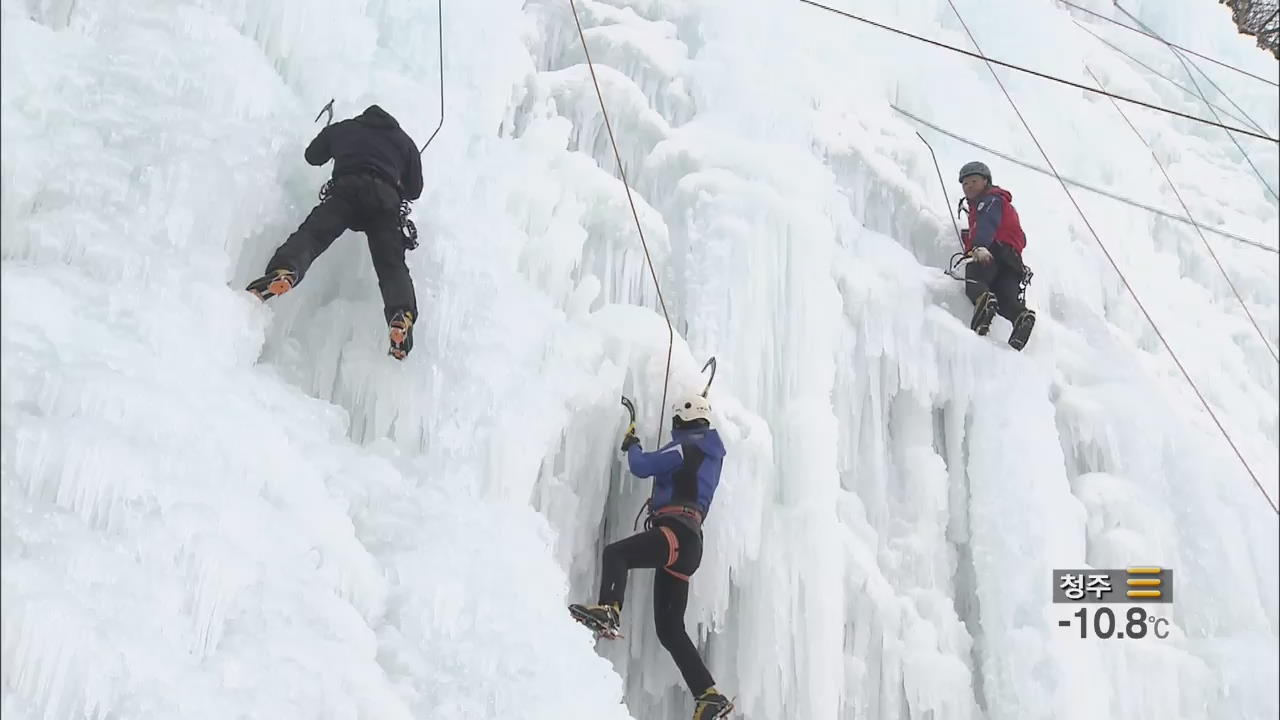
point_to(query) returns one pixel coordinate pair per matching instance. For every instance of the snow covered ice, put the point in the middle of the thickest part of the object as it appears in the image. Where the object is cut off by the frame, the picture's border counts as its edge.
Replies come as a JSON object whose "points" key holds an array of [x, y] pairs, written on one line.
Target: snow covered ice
{"points": [[216, 509]]}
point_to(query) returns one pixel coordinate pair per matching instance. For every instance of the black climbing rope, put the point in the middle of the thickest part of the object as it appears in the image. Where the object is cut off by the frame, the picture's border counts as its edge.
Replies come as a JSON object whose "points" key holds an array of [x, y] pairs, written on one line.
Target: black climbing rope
{"points": [[635, 214], [1262, 336], [1083, 185], [1153, 37], [1038, 74]]}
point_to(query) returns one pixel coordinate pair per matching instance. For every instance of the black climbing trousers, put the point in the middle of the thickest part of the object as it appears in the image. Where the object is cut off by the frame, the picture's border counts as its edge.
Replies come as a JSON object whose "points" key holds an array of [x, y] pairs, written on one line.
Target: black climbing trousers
{"points": [[675, 550], [1003, 276], [362, 202]]}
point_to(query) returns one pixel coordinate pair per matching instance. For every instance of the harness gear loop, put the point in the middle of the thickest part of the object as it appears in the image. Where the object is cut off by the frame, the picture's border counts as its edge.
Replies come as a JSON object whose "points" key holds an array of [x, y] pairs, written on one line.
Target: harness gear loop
{"points": [[408, 231], [648, 520]]}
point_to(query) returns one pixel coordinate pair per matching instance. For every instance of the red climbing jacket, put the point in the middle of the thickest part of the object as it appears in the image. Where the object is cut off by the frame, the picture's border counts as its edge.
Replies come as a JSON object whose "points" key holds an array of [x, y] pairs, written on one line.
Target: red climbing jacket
{"points": [[992, 218]]}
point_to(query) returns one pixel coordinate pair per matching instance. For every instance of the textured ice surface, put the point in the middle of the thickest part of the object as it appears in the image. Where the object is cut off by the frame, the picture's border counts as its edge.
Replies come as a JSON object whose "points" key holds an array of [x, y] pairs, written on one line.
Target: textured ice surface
{"points": [[215, 509]]}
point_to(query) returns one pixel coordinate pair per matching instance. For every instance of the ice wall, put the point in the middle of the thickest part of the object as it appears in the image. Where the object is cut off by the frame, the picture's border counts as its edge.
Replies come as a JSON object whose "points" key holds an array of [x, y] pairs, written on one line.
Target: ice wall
{"points": [[191, 526], [920, 483], [189, 473]]}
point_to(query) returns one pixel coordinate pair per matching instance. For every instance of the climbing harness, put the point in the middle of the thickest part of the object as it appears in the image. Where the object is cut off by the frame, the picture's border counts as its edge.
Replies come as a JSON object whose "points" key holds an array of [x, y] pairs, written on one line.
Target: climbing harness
{"points": [[673, 553], [408, 231]]}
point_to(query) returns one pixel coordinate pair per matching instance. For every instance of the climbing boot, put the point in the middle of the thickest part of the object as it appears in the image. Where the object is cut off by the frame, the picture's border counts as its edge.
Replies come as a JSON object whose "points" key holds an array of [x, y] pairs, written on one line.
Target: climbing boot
{"points": [[1022, 326], [984, 311], [711, 705], [604, 620], [275, 282], [400, 330]]}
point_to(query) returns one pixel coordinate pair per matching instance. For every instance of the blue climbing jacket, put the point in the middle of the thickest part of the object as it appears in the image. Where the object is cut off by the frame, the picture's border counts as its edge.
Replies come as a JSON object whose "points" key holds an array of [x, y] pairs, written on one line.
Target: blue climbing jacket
{"points": [[686, 470]]}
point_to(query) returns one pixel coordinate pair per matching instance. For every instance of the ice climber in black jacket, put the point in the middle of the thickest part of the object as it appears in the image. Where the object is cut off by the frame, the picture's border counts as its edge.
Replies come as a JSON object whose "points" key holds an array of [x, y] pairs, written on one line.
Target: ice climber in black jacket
{"points": [[375, 166]]}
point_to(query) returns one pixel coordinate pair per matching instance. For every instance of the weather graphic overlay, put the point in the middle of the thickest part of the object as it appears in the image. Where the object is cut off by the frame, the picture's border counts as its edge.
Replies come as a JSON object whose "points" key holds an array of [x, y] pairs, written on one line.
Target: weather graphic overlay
{"points": [[1137, 586]]}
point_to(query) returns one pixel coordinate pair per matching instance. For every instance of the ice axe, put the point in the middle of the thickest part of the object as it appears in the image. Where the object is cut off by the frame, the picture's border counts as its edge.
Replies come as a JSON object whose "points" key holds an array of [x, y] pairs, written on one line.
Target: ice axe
{"points": [[958, 260], [631, 410], [328, 108], [711, 363], [631, 429]]}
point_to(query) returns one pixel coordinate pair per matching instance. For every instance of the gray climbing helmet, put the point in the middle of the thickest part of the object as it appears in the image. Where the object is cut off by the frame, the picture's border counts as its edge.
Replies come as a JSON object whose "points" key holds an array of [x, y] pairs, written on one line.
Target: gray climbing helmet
{"points": [[975, 168]]}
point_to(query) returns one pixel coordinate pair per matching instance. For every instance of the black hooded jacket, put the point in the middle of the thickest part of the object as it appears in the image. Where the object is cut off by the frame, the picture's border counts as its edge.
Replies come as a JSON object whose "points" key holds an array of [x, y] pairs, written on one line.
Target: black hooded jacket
{"points": [[372, 140]]}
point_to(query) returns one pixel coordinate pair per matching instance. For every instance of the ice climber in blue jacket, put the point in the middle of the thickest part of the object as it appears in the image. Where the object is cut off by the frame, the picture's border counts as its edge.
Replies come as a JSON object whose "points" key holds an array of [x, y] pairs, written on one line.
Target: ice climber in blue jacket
{"points": [[686, 472]]}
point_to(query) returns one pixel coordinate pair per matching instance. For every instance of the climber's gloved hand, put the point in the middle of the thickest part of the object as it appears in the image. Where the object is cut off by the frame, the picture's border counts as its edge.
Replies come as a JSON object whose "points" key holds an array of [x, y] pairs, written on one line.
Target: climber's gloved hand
{"points": [[982, 255], [628, 440]]}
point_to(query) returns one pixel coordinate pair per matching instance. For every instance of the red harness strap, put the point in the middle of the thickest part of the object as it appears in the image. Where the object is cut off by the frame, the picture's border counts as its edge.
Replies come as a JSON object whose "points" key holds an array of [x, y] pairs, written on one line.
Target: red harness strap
{"points": [[680, 510], [673, 552]]}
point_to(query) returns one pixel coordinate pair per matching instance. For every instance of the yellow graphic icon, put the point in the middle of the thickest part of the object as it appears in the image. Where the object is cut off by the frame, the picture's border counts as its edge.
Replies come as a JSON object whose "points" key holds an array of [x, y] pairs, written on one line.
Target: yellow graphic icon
{"points": [[1152, 580]]}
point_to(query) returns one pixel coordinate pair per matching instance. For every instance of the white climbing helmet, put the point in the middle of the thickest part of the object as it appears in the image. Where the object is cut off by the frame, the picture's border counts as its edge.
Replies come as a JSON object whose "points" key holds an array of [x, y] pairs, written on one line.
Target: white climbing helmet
{"points": [[694, 407]]}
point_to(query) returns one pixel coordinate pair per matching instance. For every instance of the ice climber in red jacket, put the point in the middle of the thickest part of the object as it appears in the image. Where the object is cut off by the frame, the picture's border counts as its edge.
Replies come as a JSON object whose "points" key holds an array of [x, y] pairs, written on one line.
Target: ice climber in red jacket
{"points": [[994, 242]]}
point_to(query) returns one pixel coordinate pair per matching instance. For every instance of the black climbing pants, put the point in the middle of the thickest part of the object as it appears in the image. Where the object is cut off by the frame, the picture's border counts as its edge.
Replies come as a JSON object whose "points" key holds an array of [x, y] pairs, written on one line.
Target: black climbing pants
{"points": [[1002, 276], [362, 202], [675, 550]]}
